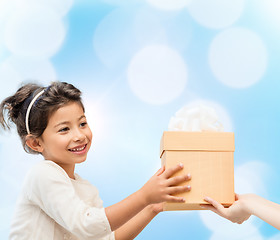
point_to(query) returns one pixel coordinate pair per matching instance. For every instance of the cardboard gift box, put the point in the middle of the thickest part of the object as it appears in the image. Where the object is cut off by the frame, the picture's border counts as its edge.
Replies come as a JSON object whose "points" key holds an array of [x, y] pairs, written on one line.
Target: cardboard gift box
{"points": [[208, 157]]}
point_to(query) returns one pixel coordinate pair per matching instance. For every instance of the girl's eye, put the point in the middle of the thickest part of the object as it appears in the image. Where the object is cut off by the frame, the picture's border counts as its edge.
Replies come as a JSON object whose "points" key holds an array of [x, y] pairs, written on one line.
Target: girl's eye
{"points": [[63, 129], [83, 124]]}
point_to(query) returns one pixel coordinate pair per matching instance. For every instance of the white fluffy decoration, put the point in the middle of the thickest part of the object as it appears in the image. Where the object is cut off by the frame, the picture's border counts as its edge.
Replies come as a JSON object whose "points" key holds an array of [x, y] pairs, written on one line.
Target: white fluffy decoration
{"points": [[195, 119]]}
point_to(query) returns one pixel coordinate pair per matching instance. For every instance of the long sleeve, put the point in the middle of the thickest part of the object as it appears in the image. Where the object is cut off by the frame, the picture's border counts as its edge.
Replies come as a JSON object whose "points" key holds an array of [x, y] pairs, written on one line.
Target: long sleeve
{"points": [[52, 190]]}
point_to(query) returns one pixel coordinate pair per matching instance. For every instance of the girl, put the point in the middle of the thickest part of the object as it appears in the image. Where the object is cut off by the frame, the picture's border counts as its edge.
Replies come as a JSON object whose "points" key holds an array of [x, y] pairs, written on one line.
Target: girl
{"points": [[55, 202], [245, 206]]}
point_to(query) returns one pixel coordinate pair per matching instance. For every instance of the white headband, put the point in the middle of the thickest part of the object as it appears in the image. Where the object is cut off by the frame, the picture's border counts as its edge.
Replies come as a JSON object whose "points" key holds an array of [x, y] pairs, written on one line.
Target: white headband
{"points": [[29, 108]]}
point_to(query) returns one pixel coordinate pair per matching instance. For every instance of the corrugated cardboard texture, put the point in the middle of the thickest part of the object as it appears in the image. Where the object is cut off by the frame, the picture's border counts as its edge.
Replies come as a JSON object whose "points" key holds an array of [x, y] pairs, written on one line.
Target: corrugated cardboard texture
{"points": [[209, 158]]}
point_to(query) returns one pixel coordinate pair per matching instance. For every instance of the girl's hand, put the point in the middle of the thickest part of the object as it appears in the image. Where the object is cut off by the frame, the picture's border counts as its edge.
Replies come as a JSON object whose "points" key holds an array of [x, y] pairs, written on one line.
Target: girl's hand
{"points": [[237, 212], [162, 186], [156, 207]]}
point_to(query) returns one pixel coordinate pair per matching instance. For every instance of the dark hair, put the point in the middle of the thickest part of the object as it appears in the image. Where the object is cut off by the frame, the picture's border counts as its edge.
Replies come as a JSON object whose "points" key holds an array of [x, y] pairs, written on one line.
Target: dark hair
{"points": [[13, 109]]}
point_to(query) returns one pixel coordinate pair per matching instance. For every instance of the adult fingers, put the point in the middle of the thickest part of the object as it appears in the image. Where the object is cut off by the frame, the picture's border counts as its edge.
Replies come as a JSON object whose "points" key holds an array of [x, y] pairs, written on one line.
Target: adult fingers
{"points": [[236, 196], [209, 207], [219, 207], [170, 171]]}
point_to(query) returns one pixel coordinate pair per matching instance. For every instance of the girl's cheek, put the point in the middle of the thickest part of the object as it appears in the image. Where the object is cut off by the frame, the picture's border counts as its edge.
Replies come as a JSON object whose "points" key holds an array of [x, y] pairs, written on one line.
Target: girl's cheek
{"points": [[89, 134]]}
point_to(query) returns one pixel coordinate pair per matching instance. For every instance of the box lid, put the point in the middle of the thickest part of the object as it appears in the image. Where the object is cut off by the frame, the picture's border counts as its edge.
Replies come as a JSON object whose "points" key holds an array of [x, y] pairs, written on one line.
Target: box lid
{"points": [[197, 141]]}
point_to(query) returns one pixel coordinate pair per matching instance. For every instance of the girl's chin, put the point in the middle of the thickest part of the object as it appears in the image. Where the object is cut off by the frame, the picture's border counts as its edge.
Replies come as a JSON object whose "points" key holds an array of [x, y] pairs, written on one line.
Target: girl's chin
{"points": [[80, 160]]}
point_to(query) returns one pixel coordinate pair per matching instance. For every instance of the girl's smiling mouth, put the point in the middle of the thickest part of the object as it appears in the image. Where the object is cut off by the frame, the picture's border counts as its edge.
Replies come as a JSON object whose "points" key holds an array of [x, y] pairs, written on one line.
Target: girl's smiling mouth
{"points": [[79, 149]]}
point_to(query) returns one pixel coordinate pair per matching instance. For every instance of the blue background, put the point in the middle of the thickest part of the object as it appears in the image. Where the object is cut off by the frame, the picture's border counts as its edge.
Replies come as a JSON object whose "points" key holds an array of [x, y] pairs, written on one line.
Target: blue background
{"points": [[99, 47]]}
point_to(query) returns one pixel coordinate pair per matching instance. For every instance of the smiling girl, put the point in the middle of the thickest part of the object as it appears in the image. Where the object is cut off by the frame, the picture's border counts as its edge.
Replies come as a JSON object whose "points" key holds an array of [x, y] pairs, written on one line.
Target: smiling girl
{"points": [[55, 202]]}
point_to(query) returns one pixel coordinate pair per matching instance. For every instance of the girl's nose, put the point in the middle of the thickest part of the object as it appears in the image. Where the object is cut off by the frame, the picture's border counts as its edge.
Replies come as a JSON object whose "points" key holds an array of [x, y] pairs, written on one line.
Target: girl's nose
{"points": [[79, 135]]}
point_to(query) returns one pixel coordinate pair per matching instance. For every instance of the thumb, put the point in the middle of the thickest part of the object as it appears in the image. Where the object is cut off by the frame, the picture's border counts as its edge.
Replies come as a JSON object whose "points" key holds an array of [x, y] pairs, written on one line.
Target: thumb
{"points": [[219, 207]]}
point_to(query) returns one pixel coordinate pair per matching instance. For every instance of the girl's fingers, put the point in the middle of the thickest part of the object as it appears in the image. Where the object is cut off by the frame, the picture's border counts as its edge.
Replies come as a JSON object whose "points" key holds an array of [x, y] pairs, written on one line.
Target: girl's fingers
{"points": [[174, 199], [170, 171], [160, 171], [179, 179], [179, 189]]}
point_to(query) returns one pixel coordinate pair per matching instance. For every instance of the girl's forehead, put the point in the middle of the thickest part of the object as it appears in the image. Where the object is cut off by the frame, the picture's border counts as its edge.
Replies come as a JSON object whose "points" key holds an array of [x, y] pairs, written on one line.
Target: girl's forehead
{"points": [[70, 111]]}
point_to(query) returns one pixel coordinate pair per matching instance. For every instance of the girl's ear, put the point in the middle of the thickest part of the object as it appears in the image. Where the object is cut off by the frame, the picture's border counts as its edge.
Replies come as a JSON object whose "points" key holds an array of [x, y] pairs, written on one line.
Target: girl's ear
{"points": [[34, 143]]}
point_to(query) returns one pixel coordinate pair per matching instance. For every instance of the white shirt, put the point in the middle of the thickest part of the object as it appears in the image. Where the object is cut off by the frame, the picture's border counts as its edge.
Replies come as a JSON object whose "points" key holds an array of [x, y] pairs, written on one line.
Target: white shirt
{"points": [[53, 206]]}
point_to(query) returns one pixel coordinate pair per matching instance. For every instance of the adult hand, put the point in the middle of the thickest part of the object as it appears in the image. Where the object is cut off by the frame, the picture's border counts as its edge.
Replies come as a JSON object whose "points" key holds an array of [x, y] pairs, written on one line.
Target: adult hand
{"points": [[238, 212]]}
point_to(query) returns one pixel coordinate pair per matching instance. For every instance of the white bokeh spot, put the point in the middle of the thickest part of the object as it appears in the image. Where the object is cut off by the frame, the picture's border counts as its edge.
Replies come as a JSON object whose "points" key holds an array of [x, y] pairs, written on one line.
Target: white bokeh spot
{"points": [[238, 57], [216, 13], [61, 7], [15, 70], [119, 2], [133, 29], [169, 4], [271, 9], [130, 29], [10, 78], [149, 28], [157, 74], [250, 232], [249, 177], [116, 25], [224, 229], [34, 31], [6, 7], [32, 68]]}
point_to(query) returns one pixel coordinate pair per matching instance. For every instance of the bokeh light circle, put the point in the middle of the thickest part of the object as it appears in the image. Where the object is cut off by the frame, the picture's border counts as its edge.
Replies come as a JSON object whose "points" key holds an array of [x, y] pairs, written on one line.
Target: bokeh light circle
{"points": [[157, 74], [119, 2], [169, 4], [250, 176], [216, 13], [238, 57], [41, 70], [34, 31], [116, 25], [6, 7], [130, 30], [252, 233], [11, 78], [15, 70], [134, 28], [152, 27], [61, 7], [224, 228], [270, 10]]}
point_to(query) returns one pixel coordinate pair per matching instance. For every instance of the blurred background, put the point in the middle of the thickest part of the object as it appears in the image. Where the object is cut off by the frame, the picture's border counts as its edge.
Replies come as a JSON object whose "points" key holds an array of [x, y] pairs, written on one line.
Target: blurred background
{"points": [[137, 63]]}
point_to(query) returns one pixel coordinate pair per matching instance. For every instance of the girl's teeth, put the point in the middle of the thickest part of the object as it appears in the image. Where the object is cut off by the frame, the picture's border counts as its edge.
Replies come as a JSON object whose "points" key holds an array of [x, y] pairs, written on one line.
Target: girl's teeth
{"points": [[77, 149]]}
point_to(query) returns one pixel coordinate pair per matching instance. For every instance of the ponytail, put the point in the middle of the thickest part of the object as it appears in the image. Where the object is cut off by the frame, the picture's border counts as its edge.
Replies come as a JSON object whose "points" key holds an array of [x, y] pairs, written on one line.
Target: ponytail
{"points": [[13, 108]]}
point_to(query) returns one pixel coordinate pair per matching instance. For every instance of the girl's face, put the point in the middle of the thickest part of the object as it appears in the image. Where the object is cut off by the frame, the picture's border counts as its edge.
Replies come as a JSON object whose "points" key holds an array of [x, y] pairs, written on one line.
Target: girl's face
{"points": [[67, 137]]}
